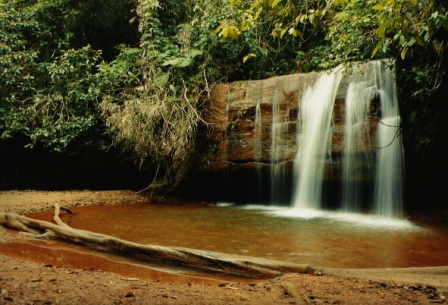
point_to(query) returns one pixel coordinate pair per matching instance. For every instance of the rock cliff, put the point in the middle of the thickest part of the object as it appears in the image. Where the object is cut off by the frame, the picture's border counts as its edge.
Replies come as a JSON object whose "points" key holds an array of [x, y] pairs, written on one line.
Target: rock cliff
{"points": [[255, 123]]}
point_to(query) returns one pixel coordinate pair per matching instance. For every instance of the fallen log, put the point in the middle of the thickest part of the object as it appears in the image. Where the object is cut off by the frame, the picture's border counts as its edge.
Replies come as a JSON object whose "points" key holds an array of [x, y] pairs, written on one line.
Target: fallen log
{"points": [[208, 261]]}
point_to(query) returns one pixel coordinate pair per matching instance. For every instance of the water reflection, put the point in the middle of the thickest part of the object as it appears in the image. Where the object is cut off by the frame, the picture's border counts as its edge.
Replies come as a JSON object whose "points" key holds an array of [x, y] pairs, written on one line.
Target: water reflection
{"points": [[321, 239]]}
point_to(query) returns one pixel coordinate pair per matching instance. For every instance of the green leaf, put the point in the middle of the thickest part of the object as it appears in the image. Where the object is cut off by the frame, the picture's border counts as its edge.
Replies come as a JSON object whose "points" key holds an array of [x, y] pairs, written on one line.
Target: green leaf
{"points": [[377, 48], [180, 62], [411, 42], [162, 80], [339, 2]]}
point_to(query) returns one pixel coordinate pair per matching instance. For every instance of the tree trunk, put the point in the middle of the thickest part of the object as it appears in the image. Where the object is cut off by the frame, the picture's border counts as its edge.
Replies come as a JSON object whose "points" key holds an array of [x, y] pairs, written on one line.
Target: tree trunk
{"points": [[204, 260]]}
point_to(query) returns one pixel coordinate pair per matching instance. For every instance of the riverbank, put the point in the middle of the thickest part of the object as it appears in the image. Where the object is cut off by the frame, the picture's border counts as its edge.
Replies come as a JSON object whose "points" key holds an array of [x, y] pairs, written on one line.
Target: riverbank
{"points": [[22, 281]]}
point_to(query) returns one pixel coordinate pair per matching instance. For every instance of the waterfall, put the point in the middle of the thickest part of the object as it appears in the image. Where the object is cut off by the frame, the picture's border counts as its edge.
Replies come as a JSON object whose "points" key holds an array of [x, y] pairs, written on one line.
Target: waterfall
{"points": [[314, 139], [388, 198], [258, 129], [278, 167], [315, 133], [356, 159], [332, 139]]}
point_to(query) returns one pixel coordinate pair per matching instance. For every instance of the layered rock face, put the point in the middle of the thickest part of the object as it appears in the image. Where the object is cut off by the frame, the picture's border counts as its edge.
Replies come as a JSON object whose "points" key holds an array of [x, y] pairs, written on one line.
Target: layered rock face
{"points": [[256, 123]]}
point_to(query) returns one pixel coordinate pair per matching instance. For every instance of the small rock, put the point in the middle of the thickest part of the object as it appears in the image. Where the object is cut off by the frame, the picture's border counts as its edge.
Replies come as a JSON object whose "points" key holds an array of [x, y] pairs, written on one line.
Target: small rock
{"points": [[130, 295], [133, 279]]}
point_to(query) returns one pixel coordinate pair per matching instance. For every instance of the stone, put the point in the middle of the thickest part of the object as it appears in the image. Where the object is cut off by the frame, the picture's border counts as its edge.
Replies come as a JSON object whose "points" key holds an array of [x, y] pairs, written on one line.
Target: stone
{"points": [[241, 116]]}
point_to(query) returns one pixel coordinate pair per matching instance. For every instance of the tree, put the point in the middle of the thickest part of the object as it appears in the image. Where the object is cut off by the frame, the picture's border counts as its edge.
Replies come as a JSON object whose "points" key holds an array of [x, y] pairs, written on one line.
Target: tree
{"points": [[154, 93], [414, 33], [49, 94]]}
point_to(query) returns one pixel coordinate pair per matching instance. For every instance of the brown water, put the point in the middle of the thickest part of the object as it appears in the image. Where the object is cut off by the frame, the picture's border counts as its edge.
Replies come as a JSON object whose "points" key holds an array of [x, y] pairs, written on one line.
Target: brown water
{"points": [[325, 240]]}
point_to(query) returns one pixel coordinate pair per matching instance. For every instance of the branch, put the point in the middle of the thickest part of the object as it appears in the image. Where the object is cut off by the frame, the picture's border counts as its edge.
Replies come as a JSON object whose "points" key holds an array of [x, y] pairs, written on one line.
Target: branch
{"points": [[197, 259]]}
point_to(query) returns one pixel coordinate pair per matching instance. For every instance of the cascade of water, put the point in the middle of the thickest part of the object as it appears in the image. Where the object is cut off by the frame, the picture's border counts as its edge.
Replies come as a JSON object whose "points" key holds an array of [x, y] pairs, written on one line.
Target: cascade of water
{"points": [[278, 149], [314, 137], [355, 157], [258, 145], [225, 143], [315, 133], [388, 196]]}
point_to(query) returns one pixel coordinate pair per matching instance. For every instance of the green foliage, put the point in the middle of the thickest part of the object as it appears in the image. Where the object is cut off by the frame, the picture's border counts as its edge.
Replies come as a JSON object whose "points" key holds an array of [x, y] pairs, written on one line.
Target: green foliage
{"points": [[49, 89], [406, 24], [154, 114], [140, 69], [412, 32], [180, 58], [64, 111]]}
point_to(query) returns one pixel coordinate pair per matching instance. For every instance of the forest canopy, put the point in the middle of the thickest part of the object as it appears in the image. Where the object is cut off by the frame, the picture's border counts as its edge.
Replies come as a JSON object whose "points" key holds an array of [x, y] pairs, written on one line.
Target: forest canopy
{"points": [[79, 75]]}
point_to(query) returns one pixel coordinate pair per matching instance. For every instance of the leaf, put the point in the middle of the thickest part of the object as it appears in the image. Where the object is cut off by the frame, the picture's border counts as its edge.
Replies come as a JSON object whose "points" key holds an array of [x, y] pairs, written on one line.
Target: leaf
{"points": [[385, 45], [377, 48], [411, 42], [180, 62], [233, 32], [381, 31], [194, 52], [224, 32], [339, 2], [403, 53], [258, 13], [312, 20], [419, 40], [282, 33], [162, 80], [378, 8], [293, 32], [248, 56]]}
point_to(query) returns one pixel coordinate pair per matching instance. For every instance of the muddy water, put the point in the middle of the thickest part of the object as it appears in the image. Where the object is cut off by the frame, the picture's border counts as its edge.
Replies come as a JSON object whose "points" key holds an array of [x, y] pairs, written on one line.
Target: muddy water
{"points": [[325, 240]]}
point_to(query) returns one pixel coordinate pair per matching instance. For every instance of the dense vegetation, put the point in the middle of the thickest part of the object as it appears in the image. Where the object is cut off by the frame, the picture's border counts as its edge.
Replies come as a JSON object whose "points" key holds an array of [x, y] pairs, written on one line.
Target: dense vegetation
{"points": [[91, 74]]}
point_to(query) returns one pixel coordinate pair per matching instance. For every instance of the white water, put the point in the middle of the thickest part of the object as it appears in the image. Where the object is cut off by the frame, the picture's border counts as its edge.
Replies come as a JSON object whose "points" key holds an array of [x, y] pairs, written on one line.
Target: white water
{"points": [[258, 145], [314, 139], [278, 166], [315, 134], [371, 162], [355, 161], [388, 198]]}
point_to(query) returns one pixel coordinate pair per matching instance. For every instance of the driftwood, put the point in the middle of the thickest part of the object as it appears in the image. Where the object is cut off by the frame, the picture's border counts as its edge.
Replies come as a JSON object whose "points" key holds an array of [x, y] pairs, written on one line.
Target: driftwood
{"points": [[204, 260]]}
